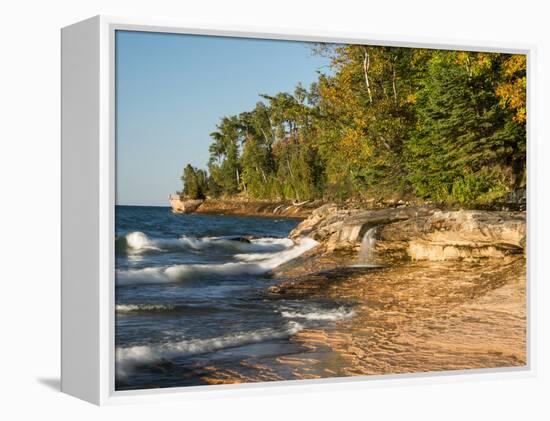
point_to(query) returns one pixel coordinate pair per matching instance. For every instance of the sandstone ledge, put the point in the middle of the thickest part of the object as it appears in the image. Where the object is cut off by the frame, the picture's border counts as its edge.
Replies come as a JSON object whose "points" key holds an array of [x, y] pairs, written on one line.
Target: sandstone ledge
{"points": [[418, 233]]}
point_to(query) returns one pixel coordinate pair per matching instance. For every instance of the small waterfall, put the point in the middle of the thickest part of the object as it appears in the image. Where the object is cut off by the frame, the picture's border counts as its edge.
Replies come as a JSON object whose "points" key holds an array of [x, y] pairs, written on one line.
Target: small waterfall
{"points": [[366, 252]]}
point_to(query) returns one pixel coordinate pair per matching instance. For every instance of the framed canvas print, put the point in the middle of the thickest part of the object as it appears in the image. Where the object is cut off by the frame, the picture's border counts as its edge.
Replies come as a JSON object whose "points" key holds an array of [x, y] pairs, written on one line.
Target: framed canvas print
{"points": [[249, 209]]}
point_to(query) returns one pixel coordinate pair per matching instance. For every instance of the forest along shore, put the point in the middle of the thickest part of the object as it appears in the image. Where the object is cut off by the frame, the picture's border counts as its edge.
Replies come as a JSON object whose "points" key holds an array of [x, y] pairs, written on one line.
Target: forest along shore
{"points": [[430, 290]]}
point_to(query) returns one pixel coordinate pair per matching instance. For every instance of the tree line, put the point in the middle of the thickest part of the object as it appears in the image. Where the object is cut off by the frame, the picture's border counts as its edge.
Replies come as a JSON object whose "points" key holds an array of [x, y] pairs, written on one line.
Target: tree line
{"points": [[386, 122]]}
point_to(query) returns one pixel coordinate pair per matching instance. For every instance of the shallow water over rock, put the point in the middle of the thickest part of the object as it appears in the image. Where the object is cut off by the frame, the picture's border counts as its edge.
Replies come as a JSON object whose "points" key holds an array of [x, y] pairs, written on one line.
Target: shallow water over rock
{"points": [[417, 317]]}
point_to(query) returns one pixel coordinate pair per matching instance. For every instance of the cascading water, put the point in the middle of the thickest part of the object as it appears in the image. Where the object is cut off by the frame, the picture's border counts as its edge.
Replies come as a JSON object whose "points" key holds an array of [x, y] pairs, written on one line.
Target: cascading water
{"points": [[366, 252]]}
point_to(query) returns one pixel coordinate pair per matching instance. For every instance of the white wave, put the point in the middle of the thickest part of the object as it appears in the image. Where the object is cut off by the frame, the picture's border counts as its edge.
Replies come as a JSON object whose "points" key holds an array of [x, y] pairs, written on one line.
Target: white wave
{"points": [[129, 308], [128, 357], [286, 242], [137, 242], [275, 259], [196, 271], [320, 314], [232, 243]]}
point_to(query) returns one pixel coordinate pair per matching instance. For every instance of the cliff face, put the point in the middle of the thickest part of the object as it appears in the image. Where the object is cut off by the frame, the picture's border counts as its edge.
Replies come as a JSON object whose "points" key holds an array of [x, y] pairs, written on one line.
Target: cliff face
{"points": [[183, 206], [418, 233]]}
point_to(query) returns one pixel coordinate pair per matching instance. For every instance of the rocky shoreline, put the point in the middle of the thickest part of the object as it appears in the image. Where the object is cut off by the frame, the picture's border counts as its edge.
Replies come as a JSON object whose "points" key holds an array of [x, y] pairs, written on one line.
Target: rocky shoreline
{"points": [[418, 233], [420, 316], [287, 209], [440, 290]]}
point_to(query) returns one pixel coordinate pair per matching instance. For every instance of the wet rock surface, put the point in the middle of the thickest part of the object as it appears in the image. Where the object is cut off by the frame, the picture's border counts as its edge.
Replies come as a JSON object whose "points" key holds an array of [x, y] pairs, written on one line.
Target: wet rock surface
{"points": [[416, 317], [426, 316]]}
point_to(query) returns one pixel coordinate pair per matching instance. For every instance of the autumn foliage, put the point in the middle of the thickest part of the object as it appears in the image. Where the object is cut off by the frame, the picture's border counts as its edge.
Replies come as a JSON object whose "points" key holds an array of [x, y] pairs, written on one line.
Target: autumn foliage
{"points": [[447, 126]]}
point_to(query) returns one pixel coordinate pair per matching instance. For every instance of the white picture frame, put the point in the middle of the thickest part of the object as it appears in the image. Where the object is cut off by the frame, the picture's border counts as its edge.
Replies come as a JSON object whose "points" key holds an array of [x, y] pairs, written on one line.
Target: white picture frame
{"points": [[88, 197]]}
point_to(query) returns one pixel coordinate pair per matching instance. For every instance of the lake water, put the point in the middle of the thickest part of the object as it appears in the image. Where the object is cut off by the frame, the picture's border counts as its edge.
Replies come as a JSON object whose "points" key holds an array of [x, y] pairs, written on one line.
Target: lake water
{"points": [[190, 295]]}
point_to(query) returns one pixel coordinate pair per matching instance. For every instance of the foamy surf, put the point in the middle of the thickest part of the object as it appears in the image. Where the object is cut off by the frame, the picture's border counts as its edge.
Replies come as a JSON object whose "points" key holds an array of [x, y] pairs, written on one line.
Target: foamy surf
{"points": [[340, 313], [253, 265], [138, 242], [128, 357], [133, 308]]}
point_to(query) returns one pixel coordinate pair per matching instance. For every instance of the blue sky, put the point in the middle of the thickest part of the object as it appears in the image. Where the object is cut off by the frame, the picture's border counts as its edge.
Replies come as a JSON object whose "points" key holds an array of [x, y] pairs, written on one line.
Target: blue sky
{"points": [[172, 90]]}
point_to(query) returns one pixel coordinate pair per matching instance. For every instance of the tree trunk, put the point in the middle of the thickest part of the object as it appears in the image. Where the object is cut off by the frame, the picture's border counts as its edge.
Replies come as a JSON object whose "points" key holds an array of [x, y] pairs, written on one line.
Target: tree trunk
{"points": [[261, 170], [468, 67], [366, 66], [394, 86]]}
